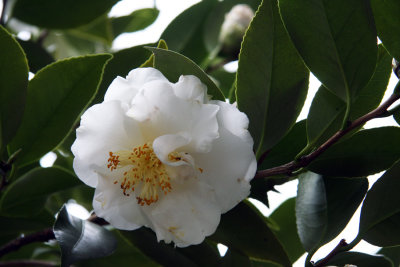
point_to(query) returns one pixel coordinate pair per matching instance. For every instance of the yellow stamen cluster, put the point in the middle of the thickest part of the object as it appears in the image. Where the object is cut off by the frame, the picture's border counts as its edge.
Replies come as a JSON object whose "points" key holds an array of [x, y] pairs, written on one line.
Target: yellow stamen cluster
{"points": [[146, 173]]}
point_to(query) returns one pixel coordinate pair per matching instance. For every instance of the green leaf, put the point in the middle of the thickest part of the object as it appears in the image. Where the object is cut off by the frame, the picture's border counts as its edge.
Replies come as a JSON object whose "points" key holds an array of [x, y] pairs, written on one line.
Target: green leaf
{"points": [[27, 196], [245, 230], [185, 33], [125, 252], [263, 83], [359, 259], [343, 198], [387, 20], [336, 39], [137, 20], [166, 255], [164, 59], [324, 206], [37, 56], [287, 149], [60, 14], [19, 226], [311, 209], [57, 95], [150, 62], [283, 152], [225, 80], [327, 110], [286, 229], [13, 83], [380, 213], [392, 253], [81, 239], [122, 62], [367, 152]]}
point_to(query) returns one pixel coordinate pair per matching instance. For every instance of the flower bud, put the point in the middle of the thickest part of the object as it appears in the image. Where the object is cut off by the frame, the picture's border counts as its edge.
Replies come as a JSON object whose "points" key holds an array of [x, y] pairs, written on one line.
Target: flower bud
{"points": [[234, 27]]}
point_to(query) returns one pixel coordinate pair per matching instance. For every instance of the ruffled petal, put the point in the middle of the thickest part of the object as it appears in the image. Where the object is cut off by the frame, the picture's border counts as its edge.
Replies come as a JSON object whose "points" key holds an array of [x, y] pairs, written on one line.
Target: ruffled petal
{"points": [[186, 215], [162, 112], [228, 168], [125, 89], [166, 144], [119, 210], [104, 128], [189, 87], [233, 120]]}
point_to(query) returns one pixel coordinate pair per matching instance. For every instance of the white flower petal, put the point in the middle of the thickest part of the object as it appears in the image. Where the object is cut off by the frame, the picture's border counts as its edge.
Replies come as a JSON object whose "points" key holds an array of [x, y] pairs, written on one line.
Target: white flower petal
{"points": [[233, 120], [166, 144], [162, 112], [125, 89], [228, 168], [104, 128], [189, 87], [119, 210], [187, 215], [162, 155]]}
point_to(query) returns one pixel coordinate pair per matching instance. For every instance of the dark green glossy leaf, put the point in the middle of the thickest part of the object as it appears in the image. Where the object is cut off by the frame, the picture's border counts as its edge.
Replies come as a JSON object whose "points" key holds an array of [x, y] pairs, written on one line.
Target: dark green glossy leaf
{"points": [[27, 195], [263, 83], [392, 253], [122, 62], [343, 198], [387, 20], [150, 61], [284, 152], [137, 20], [327, 110], [359, 259], [380, 213], [124, 254], [18, 226], [80, 239], [60, 14], [236, 259], [185, 33], [245, 230], [37, 56], [287, 149], [286, 229], [13, 83], [166, 255], [325, 205], [367, 152], [336, 39], [311, 209], [57, 95], [164, 59], [225, 80], [82, 194]]}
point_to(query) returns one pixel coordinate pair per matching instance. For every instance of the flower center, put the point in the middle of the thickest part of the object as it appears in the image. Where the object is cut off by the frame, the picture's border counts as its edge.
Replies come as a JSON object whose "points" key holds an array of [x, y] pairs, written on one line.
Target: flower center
{"points": [[146, 173]]}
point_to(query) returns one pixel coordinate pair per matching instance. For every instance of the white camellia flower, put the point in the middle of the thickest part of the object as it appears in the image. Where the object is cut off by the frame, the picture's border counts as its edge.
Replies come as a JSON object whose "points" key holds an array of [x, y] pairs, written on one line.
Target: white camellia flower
{"points": [[164, 156]]}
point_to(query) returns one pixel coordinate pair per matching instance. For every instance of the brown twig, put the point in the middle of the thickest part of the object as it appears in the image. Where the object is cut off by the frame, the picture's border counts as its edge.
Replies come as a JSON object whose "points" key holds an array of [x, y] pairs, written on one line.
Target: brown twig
{"points": [[21, 263], [42, 236], [328, 257], [304, 161]]}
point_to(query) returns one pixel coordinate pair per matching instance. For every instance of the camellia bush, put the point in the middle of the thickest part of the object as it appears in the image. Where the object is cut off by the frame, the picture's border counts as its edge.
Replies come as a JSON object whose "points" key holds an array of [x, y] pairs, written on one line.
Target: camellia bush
{"points": [[163, 146]]}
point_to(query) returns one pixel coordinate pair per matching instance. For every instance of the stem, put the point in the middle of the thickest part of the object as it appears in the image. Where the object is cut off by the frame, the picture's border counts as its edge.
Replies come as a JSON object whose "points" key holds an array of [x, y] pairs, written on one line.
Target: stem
{"points": [[41, 236], [20, 263], [304, 161], [341, 247]]}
